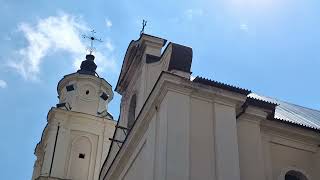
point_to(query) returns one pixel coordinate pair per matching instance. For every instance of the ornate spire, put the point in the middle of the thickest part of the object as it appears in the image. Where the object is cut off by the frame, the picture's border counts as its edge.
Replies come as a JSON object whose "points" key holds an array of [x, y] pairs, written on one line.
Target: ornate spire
{"points": [[92, 38]]}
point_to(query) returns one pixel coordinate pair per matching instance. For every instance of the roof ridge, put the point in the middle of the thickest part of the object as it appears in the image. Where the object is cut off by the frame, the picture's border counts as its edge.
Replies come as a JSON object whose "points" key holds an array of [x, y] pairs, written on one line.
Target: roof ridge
{"points": [[270, 102]]}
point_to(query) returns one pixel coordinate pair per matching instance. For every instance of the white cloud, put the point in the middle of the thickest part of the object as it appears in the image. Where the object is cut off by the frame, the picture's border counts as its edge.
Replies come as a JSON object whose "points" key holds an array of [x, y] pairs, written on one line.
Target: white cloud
{"points": [[109, 45], [108, 23], [3, 84], [191, 13], [49, 35], [244, 27], [187, 15]]}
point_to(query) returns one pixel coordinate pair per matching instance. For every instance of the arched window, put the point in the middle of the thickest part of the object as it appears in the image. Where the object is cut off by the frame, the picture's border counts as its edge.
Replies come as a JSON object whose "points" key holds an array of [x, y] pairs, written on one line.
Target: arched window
{"points": [[295, 175], [132, 111], [80, 155]]}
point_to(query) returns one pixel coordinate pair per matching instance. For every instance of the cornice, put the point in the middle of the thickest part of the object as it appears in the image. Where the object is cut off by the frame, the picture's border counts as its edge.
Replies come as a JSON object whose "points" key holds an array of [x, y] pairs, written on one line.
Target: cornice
{"points": [[295, 133], [76, 77], [57, 112]]}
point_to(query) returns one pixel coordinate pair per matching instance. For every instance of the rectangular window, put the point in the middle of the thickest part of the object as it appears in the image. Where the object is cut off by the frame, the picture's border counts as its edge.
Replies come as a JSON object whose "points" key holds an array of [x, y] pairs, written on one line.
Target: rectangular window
{"points": [[104, 96], [81, 156], [70, 87]]}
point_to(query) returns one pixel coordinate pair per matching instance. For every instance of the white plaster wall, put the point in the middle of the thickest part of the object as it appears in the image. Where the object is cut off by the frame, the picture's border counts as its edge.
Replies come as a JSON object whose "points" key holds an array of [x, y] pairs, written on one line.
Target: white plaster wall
{"points": [[178, 119], [316, 164], [66, 163], [108, 133], [202, 160], [185, 141], [156, 156], [82, 143], [250, 149], [161, 136], [136, 170], [194, 136], [48, 143], [283, 157], [81, 101], [141, 163], [226, 144]]}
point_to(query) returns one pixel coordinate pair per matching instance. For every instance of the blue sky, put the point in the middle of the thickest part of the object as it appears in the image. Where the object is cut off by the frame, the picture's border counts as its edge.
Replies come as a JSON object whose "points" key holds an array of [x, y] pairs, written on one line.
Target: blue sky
{"points": [[268, 46]]}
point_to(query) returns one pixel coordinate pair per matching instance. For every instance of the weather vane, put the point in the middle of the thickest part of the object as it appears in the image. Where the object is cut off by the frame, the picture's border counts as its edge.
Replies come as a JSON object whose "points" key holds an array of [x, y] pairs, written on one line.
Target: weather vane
{"points": [[91, 38], [144, 23]]}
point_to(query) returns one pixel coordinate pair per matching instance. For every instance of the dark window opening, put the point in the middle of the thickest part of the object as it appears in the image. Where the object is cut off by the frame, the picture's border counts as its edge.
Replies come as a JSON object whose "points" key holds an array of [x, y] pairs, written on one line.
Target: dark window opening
{"points": [[290, 177], [294, 175], [81, 156], [87, 92], [70, 87], [132, 112], [104, 96]]}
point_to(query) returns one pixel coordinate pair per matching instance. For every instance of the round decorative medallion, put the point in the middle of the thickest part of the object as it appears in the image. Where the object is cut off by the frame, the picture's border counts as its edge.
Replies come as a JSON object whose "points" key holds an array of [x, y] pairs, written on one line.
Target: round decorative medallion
{"points": [[88, 92]]}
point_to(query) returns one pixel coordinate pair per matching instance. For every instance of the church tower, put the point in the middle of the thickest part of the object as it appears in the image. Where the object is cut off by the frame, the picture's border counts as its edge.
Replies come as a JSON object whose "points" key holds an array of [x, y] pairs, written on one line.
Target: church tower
{"points": [[75, 141]]}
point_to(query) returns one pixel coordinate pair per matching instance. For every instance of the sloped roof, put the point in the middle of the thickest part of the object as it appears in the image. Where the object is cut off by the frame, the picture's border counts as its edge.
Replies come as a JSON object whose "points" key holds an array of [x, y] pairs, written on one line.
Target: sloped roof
{"points": [[292, 113], [221, 85], [284, 111]]}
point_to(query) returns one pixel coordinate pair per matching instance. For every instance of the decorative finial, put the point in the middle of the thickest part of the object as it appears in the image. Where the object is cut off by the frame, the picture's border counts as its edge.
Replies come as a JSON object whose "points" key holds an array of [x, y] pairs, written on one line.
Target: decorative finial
{"points": [[144, 24], [91, 38]]}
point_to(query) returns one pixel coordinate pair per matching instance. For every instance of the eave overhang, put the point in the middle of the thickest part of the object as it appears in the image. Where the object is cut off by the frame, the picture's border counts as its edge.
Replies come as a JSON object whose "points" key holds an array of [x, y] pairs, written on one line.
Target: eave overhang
{"points": [[220, 85]]}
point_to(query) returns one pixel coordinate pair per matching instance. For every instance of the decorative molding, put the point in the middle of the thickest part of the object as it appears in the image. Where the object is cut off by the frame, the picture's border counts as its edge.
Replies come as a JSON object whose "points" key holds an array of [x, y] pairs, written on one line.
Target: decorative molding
{"points": [[292, 132]]}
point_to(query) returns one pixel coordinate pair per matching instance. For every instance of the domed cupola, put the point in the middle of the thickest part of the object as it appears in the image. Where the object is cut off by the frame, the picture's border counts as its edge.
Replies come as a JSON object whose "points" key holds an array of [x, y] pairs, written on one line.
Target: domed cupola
{"points": [[84, 91], [88, 66]]}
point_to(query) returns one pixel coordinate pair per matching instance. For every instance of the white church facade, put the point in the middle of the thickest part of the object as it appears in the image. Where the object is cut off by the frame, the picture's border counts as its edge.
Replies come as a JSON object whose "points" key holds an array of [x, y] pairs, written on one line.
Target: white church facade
{"points": [[172, 127]]}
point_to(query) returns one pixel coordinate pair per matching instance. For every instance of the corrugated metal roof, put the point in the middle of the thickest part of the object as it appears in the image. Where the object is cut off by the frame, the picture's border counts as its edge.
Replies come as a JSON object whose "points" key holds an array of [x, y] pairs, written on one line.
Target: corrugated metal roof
{"points": [[221, 85], [293, 113]]}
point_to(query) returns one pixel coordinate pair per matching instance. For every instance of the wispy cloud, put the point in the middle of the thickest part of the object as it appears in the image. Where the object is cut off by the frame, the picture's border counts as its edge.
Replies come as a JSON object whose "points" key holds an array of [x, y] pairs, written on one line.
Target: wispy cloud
{"points": [[108, 23], [108, 45], [49, 35], [187, 15], [3, 84], [191, 13], [244, 27]]}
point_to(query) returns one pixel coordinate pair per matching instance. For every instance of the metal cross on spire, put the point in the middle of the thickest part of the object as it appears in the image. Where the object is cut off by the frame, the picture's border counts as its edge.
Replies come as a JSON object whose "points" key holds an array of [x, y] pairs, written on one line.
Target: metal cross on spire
{"points": [[144, 24], [92, 38]]}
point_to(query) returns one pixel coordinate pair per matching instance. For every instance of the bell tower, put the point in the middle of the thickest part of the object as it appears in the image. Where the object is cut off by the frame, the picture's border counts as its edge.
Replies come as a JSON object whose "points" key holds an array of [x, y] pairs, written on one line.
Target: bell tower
{"points": [[75, 141]]}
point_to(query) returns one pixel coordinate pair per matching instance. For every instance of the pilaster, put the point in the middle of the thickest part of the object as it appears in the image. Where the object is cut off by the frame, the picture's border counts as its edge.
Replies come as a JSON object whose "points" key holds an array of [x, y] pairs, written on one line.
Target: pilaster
{"points": [[226, 142]]}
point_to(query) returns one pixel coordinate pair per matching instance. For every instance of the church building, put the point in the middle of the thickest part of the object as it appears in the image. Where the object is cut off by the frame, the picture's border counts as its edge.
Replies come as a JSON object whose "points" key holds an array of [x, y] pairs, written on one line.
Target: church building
{"points": [[172, 126]]}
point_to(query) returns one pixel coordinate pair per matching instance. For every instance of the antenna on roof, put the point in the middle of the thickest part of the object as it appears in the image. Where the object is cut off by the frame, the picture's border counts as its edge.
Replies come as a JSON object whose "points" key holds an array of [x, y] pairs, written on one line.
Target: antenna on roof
{"points": [[91, 38], [144, 24]]}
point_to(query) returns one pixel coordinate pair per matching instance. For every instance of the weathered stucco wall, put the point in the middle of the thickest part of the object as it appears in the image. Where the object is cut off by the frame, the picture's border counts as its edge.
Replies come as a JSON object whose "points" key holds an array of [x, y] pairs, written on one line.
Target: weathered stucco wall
{"points": [[269, 150]]}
